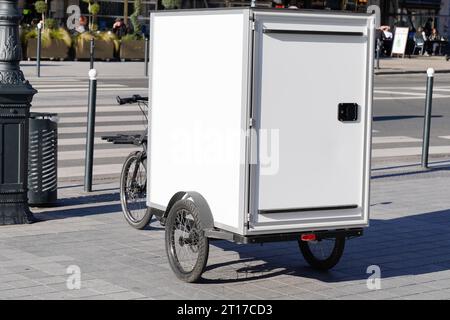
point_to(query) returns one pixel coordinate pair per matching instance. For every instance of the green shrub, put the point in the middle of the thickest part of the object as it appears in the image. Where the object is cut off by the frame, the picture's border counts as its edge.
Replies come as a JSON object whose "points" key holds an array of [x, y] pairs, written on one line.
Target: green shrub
{"points": [[94, 8], [135, 16], [81, 39], [133, 36], [171, 4], [41, 7], [48, 35], [51, 23]]}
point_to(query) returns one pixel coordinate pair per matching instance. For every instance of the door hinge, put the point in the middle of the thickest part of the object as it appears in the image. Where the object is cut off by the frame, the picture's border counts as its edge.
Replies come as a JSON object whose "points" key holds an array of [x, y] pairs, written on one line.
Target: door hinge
{"points": [[251, 122], [247, 221], [252, 25]]}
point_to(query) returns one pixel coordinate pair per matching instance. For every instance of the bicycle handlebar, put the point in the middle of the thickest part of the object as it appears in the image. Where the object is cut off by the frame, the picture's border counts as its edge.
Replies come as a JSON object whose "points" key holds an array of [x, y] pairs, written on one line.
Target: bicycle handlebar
{"points": [[133, 99]]}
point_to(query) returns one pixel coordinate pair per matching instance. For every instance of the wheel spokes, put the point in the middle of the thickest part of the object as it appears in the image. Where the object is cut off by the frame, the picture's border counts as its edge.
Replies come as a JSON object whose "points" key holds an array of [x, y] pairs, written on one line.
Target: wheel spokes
{"points": [[322, 249], [185, 240], [135, 191]]}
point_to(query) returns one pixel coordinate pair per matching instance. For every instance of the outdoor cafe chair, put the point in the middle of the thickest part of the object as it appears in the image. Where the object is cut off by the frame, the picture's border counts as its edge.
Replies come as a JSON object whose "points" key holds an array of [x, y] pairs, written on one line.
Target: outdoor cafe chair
{"points": [[419, 44]]}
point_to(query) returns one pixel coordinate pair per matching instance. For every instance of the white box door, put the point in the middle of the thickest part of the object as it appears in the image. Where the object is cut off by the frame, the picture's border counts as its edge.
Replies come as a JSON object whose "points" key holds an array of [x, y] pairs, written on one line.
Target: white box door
{"points": [[311, 144]]}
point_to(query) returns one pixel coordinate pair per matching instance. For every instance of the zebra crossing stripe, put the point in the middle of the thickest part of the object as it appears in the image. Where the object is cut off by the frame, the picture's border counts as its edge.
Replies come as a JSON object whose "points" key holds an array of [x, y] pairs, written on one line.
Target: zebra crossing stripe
{"points": [[413, 151], [99, 119], [409, 93], [78, 85], [99, 129], [79, 141], [73, 120], [86, 89], [98, 154], [394, 139], [411, 98], [83, 109], [412, 88], [399, 93], [78, 171]]}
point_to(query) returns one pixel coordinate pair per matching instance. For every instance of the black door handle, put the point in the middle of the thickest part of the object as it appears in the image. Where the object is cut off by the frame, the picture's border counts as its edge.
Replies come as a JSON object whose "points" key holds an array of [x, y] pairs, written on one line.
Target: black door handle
{"points": [[348, 112]]}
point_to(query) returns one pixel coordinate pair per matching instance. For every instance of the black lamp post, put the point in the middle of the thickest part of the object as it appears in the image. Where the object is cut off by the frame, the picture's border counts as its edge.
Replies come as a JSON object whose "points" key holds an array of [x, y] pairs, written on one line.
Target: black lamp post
{"points": [[15, 102]]}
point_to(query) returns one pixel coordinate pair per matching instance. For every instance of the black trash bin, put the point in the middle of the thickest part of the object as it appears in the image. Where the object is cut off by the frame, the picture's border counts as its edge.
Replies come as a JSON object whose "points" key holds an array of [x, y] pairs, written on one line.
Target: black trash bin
{"points": [[43, 159]]}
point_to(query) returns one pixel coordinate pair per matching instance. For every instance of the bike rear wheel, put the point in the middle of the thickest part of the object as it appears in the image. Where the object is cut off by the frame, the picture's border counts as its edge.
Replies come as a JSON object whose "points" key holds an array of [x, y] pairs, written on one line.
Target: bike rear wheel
{"points": [[323, 254], [133, 190], [187, 246]]}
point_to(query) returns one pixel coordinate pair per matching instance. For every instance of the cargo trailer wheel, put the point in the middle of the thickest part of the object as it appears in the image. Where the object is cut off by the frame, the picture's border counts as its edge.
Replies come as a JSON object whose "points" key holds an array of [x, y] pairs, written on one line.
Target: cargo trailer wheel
{"points": [[323, 254], [187, 247]]}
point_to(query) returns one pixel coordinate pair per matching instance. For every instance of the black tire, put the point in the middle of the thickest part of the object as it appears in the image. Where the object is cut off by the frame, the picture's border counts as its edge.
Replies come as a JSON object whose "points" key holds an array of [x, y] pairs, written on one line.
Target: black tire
{"points": [[184, 220], [133, 194], [329, 258]]}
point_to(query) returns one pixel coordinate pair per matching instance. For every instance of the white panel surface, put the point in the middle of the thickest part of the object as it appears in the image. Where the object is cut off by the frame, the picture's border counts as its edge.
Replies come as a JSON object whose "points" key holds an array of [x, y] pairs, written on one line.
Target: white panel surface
{"points": [[307, 64], [196, 109], [321, 159], [199, 93]]}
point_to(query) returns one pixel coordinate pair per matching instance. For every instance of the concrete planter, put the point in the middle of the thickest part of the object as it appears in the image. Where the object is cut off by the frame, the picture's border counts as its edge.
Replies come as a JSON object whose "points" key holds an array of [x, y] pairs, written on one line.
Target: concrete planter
{"points": [[132, 50], [104, 50], [58, 50]]}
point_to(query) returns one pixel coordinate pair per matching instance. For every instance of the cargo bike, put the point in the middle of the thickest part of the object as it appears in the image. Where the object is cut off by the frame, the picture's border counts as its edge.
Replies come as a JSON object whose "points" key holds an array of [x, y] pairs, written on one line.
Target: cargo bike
{"points": [[261, 132]]}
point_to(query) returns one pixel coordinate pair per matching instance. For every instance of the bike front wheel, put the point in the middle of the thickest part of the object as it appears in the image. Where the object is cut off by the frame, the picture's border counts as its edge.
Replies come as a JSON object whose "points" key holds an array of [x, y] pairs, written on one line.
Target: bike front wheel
{"points": [[133, 191]]}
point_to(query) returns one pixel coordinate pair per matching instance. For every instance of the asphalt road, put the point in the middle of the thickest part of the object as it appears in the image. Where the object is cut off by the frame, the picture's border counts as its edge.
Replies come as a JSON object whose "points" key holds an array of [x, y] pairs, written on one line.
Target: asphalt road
{"points": [[402, 109], [399, 104]]}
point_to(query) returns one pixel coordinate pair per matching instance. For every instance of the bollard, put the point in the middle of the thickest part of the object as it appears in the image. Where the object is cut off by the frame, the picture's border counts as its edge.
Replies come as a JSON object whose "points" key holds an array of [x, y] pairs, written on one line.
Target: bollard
{"points": [[378, 53], [146, 57], [92, 53], [38, 49], [427, 118], [90, 130]]}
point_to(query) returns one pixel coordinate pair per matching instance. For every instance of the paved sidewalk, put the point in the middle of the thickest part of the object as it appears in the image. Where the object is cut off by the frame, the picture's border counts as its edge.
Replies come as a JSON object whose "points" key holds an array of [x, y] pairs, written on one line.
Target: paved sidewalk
{"points": [[409, 236], [415, 64], [80, 69], [135, 70], [409, 239]]}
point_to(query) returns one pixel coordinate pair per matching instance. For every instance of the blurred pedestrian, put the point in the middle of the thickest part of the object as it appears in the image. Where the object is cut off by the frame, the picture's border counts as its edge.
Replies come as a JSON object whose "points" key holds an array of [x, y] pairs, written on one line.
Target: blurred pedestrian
{"points": [[420, 40], [434, 38], [420, 34], [428, 27], [82, 25], [119, 28], [387, 33]]}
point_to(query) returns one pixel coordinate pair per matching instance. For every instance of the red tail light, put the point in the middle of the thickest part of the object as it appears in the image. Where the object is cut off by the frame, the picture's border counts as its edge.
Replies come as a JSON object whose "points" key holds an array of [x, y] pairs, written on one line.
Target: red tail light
{"points": [[308, 237]]}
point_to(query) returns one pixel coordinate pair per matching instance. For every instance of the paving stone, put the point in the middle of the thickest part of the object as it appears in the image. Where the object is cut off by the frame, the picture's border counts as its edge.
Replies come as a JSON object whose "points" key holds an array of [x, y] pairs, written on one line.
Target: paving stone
{"points": [[118, 262]]}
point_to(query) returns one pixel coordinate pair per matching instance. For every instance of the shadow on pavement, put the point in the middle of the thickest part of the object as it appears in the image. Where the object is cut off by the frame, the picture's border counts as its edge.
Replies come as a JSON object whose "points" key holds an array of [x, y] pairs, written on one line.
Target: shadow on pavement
{"points": [[404, 246], [65, 202], [58, 212], [55, 213], [409, 245]]}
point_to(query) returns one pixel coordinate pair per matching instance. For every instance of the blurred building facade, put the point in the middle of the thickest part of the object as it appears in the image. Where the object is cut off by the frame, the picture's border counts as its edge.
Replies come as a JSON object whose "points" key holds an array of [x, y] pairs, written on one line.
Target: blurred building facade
{"points": [[411, 13]]}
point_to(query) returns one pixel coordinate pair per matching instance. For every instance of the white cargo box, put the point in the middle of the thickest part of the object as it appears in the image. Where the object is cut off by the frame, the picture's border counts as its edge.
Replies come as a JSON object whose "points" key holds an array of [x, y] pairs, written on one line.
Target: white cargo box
{"points": [[264, 113]]}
